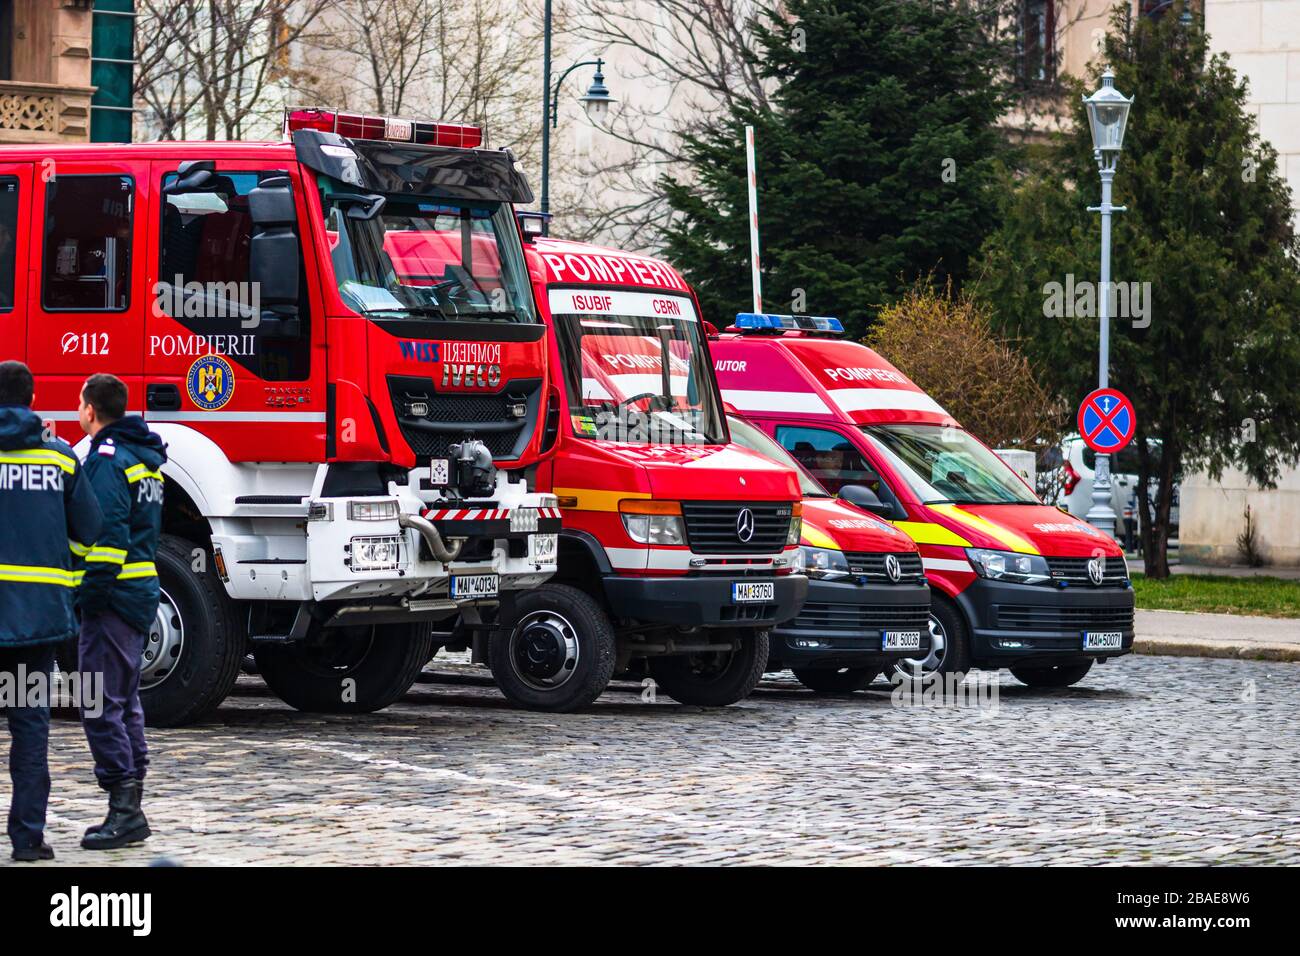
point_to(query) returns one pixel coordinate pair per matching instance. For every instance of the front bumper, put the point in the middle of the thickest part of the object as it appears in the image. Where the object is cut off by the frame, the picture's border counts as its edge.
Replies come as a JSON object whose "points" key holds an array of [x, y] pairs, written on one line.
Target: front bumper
{"points": [[842, 622], [1015, 624], [702, 601]]}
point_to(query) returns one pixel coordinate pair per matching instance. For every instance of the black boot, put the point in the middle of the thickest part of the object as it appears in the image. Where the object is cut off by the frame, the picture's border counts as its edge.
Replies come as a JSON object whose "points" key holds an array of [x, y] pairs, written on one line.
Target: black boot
{"points": [[33, 854], [125, 823], [99, 826]]}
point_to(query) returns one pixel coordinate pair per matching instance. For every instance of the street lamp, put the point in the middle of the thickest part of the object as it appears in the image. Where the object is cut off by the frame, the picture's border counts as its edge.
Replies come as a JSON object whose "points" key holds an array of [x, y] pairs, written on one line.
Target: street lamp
{"points": [[596, 102], [1108, 117]]}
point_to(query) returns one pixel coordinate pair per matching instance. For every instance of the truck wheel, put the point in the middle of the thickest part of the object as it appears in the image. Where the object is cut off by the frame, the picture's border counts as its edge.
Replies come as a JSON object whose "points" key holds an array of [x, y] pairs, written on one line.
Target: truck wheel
{"points": [[948, 649], [1057, 675], [829, 680], [351, 670], [714, 680], [194, 646], [559, 655]]}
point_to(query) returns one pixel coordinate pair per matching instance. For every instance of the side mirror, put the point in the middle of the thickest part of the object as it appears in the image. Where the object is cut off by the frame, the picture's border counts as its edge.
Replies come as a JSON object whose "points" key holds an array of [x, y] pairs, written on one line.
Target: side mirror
{"points": [[866, 499], [273, 256], [192, 176]]}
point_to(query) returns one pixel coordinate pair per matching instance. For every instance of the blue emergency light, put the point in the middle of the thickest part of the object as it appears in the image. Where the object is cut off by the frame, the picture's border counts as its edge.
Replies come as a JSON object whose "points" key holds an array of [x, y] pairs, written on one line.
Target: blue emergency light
{"points": [[768, 322]]}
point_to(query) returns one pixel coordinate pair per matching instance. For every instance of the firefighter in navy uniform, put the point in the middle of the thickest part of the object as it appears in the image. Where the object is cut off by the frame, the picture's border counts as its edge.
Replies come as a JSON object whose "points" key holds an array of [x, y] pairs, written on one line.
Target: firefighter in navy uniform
{"points": [[118, 599], [47, 515]]}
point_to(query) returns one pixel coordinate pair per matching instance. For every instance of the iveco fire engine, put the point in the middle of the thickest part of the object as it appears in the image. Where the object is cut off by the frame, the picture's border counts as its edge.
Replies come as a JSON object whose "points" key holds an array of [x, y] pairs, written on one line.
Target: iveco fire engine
{"points": [[1014, 583], [336, 337], [679, 550]]}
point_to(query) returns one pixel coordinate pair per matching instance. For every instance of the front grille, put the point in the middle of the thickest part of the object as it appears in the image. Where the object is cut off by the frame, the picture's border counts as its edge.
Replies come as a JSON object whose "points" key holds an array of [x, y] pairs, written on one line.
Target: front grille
{"points": [[1075, 571], [712, 527], [872, 565], [431, 422], [1028, 617], [864, 617]]}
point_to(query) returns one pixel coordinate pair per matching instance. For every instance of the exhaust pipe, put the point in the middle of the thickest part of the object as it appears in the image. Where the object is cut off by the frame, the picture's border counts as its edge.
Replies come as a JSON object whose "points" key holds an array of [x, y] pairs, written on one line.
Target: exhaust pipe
{"points": [[430, 534]]}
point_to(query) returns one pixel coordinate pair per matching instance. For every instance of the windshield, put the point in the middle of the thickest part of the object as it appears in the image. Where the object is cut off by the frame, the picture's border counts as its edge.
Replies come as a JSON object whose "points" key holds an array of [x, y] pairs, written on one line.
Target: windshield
{"points": [[947, 465], [755, 439], [427, 258], [635, 368]]}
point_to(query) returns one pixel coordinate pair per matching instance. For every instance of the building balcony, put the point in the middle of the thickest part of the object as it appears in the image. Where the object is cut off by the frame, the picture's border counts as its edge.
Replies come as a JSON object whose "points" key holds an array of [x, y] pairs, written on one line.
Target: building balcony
{"points": [[44, 112]]}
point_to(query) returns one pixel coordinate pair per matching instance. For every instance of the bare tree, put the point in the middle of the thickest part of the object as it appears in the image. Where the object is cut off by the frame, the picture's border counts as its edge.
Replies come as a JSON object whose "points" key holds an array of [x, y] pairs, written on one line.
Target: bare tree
{"points": [[213, 65]]}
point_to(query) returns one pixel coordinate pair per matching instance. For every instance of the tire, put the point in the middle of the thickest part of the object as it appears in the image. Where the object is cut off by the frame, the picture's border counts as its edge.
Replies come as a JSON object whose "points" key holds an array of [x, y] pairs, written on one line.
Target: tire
{"points": [[348, 670], [558, 655], [948, 651], [192, 653], [714, 680], [829, 680], [1056, 675]]}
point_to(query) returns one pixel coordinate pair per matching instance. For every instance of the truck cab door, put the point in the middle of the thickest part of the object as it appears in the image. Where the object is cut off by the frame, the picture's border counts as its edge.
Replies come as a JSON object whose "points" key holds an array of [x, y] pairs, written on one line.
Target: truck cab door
{"points": [[86, 287], [223, 353], [15, 245]]}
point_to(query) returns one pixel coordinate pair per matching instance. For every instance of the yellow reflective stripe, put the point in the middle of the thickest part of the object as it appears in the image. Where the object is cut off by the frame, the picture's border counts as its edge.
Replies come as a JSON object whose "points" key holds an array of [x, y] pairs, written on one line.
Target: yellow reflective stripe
{"points": [[38, 456], [1005, 536], [77, 548], [927, 532], [106, 555], [594, 499], [817, 538], [138, 569], [27, 574], [137, 472]]}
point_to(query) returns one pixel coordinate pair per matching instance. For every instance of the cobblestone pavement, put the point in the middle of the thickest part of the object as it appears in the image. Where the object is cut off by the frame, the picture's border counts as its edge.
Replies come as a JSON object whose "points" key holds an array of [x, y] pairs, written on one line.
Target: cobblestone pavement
{"points": [[1152, 760]]}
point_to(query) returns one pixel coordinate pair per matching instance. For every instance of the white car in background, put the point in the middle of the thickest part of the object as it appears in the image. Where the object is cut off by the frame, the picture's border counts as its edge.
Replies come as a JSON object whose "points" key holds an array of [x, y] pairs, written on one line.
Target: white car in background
{"points": [[1077, 466]]}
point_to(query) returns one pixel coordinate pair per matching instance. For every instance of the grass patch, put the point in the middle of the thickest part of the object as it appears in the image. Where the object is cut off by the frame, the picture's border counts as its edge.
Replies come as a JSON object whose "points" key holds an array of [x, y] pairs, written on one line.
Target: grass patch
{"points": [[1262, 596]]}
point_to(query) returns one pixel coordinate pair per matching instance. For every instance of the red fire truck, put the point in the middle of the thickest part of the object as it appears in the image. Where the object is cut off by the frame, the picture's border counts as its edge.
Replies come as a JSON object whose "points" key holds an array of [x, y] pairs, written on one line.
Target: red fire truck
{"points": [[336, 337], [1014, 583], [679, 549]]}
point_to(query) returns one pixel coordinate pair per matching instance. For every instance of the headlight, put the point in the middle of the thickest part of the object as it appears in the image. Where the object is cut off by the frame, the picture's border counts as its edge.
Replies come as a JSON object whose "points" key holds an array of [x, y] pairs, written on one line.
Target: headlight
{"points": [[378, 553], [827, 564], [653, 522], [1009, 566], [383, 510]]}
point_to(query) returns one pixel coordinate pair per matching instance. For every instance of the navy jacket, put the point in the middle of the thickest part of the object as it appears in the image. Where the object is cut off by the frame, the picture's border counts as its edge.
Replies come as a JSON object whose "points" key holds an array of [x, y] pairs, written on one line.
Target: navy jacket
{"points": [[48, 516], [123, 468]]}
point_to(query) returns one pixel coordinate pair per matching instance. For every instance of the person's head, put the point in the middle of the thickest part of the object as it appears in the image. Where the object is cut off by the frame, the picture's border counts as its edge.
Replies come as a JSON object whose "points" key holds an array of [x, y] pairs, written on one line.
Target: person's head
{"points": [[16, 385], [103, 401], [830, 460]]}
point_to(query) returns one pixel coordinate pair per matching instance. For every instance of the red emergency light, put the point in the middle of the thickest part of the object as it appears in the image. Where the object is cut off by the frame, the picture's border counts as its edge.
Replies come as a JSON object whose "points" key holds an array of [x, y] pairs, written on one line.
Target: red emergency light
{"points": [[392, 128]]}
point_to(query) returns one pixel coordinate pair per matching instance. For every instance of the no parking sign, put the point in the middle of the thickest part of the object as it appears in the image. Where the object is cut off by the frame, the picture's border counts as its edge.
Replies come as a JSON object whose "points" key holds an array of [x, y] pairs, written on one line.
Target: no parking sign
{"points": [[1107, 421]]}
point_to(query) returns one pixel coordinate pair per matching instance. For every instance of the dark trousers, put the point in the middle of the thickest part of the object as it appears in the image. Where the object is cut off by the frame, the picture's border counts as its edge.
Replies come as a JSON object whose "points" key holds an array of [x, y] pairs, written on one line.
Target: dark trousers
{"points": [[29, 749], [110, 646]]}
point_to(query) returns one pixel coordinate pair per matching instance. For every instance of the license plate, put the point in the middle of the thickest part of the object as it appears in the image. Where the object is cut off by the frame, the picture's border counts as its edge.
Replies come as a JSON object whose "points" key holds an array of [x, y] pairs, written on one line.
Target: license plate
{"points": [[1103, 640], [474, 585], [753, 593], [901, 641]]}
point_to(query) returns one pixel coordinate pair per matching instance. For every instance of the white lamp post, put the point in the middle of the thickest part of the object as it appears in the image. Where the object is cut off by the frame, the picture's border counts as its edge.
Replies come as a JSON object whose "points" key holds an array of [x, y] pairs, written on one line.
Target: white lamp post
{"points": [[1108, 117]]}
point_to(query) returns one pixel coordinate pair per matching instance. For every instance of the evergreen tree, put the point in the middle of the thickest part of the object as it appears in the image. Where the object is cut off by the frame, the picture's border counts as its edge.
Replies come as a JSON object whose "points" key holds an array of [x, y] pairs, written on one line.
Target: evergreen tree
{"points": [[1214, 367], [876, 163]]}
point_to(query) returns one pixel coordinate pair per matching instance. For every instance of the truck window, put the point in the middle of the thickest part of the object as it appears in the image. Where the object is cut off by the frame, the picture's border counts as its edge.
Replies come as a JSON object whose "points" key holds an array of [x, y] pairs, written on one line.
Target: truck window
{"points": [[8, 239], [203, 270], [87, 244], [831, 458]]}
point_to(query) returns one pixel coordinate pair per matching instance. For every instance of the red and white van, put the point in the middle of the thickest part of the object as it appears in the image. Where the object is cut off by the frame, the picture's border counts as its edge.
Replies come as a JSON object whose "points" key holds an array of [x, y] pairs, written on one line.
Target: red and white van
{"points": [[1014, 583], [868, 602], [679, 549]]}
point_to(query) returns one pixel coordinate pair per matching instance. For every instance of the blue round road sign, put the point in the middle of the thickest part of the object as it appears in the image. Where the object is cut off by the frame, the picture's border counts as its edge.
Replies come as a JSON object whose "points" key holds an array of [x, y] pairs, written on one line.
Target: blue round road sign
{"points": [[1107, 421]]}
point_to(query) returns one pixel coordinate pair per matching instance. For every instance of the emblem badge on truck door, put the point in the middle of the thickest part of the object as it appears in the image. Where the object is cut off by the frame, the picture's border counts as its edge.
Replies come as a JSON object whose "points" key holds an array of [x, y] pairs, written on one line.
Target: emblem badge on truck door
{"points": [[745, 525]]}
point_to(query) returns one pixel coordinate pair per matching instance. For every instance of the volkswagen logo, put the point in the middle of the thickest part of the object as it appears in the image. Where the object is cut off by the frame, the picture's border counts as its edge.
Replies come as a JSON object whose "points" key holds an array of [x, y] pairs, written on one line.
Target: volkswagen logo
{"points": [[892, 568], [1096, 570], [745, 525]]}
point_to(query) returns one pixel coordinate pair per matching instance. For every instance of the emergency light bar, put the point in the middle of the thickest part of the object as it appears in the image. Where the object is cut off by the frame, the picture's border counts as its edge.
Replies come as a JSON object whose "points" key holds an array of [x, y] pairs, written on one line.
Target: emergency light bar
{"points": [[767, 322], [392, 128]]}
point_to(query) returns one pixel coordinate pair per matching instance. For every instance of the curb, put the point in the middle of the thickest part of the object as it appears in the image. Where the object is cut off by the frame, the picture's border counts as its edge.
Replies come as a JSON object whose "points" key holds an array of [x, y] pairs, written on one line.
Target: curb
{"points": [[1249, 652]]}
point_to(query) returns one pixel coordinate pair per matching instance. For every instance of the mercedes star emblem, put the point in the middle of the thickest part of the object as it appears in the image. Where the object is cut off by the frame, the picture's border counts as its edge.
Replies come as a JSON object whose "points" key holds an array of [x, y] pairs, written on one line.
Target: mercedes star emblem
{"points": [[745, 525]]}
